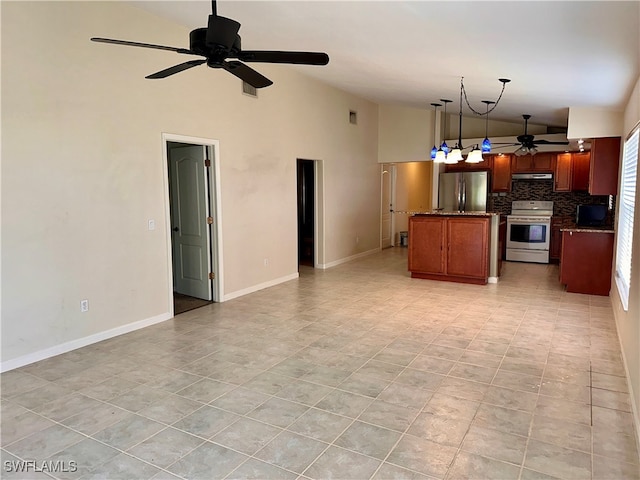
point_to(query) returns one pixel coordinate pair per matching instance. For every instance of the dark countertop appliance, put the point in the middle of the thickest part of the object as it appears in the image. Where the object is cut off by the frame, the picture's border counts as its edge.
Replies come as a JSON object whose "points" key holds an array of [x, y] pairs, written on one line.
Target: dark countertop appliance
{"points": [[591, 215]]}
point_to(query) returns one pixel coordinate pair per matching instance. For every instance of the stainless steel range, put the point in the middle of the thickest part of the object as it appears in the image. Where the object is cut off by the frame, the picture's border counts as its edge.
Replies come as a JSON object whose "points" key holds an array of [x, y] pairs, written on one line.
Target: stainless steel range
{"points": [[529, 231]]}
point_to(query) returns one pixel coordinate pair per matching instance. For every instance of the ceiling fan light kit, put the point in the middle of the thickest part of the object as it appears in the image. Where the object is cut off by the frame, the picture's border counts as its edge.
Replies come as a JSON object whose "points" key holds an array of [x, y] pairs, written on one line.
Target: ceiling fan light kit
{"points": [[220, 41], [443, 155]]}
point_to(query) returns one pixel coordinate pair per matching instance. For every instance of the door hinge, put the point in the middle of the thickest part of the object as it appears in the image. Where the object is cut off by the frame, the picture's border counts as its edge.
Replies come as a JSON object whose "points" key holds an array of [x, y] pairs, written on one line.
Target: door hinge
{"points": [[212, 276], [207, 163], [210, 220]]}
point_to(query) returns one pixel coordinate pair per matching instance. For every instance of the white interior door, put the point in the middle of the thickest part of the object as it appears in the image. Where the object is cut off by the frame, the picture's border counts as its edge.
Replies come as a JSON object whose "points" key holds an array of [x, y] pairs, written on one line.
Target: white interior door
{"points": [[388, 184], [190, 230]]}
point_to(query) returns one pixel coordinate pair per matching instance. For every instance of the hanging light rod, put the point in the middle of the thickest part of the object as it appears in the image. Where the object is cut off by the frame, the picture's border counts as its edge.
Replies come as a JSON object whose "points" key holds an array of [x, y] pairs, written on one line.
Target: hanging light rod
{"points": [[434, 150]]}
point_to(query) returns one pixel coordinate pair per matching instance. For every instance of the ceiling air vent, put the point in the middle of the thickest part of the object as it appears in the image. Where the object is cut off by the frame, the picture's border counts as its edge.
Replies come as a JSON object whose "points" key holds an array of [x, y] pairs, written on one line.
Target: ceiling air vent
{"points": [[249, 90]]}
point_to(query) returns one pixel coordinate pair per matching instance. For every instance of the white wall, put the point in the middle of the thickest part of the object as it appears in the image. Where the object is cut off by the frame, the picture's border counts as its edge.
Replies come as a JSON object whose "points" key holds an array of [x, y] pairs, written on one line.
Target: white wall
{"points": [[82, 170], [628, 322], [589, 122]]}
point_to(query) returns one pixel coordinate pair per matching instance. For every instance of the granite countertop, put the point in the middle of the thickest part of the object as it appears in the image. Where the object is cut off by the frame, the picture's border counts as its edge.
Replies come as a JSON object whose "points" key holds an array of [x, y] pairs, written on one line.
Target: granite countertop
{"points": [[441, 212], [588, 229]]}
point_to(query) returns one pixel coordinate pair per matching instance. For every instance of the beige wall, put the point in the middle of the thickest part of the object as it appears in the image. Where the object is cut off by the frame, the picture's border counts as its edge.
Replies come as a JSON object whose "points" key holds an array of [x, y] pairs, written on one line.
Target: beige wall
{"points": [[82, 170], [628, 322]]}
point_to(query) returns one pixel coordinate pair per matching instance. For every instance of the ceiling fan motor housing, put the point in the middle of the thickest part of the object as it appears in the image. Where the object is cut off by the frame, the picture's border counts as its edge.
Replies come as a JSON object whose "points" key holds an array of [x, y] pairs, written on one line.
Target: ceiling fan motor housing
{"points": [[221, 32]]}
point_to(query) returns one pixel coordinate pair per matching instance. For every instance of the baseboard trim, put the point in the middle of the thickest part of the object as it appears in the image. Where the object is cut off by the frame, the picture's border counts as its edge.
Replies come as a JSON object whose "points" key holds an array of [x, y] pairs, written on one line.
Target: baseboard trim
{"points": [[616, 313], [335, 263], [80, 342], [260, 286]]}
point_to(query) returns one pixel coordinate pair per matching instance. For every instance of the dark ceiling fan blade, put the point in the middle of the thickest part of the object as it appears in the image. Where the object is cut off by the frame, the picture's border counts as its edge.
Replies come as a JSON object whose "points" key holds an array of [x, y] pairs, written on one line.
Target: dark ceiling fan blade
{"points": [[247, 74], [144, 45], [547, 142], [176, 69], [273, 56]]}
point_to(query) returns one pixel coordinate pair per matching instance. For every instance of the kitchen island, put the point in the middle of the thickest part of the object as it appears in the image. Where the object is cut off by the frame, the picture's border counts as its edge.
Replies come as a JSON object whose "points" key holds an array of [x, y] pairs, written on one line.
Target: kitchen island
{"points": [[454, 246]]}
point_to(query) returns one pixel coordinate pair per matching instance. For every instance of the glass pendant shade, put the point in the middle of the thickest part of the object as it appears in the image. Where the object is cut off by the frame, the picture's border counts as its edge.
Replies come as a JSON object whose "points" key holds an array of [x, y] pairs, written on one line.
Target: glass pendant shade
{"points": [[440, 157], [454, 155], [533, 150], [475, 156], [522, 151], [434, 152], [486, 145], [444, 147]]}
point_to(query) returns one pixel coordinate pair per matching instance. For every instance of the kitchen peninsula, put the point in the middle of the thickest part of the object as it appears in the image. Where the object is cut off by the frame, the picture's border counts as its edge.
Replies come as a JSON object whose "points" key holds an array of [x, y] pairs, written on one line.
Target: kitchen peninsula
{"points": [[455, 246]]}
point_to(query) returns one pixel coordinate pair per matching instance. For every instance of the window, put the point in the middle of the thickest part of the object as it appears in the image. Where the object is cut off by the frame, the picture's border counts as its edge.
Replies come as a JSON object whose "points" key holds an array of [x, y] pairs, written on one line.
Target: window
{"points": [[625, 215]]}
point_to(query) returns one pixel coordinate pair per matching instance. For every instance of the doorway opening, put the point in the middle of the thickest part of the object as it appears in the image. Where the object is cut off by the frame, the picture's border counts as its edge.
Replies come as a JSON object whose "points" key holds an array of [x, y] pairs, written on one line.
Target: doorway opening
{"points": [[306, 212], [192, 198]]}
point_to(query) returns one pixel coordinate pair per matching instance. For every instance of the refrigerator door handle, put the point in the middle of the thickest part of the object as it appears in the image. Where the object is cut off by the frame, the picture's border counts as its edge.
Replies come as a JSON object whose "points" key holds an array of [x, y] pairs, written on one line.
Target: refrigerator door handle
{"points": [[463, 203]]}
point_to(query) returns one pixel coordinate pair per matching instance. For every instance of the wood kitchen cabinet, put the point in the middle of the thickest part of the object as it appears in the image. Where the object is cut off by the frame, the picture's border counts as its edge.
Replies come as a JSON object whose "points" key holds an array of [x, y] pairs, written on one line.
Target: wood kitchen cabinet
{"points": [[580, 166], [562, 178], [586, 260], [555, 243], [427, 244], [604, 165], [540, 162], [463, 166], [501, 173], [453, 248]]}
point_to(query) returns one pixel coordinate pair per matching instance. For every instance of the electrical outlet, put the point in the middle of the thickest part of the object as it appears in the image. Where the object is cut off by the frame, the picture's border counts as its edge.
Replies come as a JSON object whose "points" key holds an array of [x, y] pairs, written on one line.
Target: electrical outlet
{"points": [[266, 262], [84, 305], [357, 239], [152, 224]]}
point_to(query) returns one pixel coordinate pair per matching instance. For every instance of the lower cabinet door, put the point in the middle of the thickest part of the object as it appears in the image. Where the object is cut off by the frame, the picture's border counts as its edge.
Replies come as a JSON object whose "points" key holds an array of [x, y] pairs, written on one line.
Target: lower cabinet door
{"points": [[467, 249], [426, 243]]}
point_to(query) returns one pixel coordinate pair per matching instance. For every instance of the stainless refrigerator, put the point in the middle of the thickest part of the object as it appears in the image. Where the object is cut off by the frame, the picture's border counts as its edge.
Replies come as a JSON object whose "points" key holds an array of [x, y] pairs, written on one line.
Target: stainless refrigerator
{"points": [[463, 192]]}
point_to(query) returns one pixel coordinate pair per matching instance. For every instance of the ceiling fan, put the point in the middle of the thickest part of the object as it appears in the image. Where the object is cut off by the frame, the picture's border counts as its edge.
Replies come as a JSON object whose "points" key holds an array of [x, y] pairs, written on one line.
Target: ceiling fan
{"points": [[527, 143], [220, 41]]}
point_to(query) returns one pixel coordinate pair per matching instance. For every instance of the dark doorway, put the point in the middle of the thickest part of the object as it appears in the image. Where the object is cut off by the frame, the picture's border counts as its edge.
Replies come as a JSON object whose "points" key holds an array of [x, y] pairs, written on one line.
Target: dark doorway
{"points": [[306, 212]]}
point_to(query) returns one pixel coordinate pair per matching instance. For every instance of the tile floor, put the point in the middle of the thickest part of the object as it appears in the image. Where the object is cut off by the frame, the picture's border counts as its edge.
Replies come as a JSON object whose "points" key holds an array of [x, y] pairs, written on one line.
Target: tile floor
{"points": [[355, 372]]}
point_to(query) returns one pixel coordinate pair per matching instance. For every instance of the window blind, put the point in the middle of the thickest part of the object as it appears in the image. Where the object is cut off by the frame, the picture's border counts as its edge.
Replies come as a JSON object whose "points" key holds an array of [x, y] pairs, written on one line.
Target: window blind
{"points": [[625, 216]]}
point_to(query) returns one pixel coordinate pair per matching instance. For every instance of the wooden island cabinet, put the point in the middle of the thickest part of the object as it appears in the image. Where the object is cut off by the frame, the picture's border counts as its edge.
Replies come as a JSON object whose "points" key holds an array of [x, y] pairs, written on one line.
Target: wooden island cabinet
{"points": [[450, 247]]}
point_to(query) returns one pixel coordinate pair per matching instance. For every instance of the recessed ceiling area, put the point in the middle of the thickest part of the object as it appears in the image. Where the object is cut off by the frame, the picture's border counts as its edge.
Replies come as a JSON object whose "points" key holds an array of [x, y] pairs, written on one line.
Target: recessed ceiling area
{"points": [[558, 54]]}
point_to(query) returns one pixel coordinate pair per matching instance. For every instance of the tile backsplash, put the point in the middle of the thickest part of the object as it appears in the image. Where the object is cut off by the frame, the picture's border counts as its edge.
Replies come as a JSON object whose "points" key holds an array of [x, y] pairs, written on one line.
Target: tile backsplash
{"points": [[564, 203]]}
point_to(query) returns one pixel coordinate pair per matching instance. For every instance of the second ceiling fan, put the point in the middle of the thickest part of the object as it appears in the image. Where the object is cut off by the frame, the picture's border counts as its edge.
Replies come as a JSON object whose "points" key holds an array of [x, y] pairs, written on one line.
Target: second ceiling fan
{"points": [[527, 143]]}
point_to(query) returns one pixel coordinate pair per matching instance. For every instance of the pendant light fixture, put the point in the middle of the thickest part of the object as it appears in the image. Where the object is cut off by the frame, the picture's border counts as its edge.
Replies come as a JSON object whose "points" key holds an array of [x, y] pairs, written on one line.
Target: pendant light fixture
{"points": [[443, 155], [434, 150], [443, 151], [486, 143]]}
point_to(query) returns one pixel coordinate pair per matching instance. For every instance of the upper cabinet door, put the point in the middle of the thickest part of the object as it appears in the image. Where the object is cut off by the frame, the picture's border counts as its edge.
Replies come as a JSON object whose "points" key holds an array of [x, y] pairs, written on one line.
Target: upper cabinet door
{"points": [[501, 173], [580, 165], [605, 162], [543, 162], [562, 176], [540, 162]]}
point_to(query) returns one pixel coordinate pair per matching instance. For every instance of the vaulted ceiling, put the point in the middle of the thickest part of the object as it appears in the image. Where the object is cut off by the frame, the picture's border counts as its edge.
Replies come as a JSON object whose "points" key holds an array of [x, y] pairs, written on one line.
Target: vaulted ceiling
{"points": [[558, 54]]}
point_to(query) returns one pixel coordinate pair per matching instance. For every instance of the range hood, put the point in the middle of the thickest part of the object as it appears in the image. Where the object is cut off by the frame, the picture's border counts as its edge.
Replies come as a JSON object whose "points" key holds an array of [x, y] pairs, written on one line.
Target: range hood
{"points": [[532, 176]]}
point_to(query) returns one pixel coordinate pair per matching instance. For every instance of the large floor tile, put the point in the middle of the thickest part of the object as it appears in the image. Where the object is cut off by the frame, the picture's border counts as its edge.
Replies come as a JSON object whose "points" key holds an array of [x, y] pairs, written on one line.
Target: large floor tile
{"points": [[357, 372]]}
